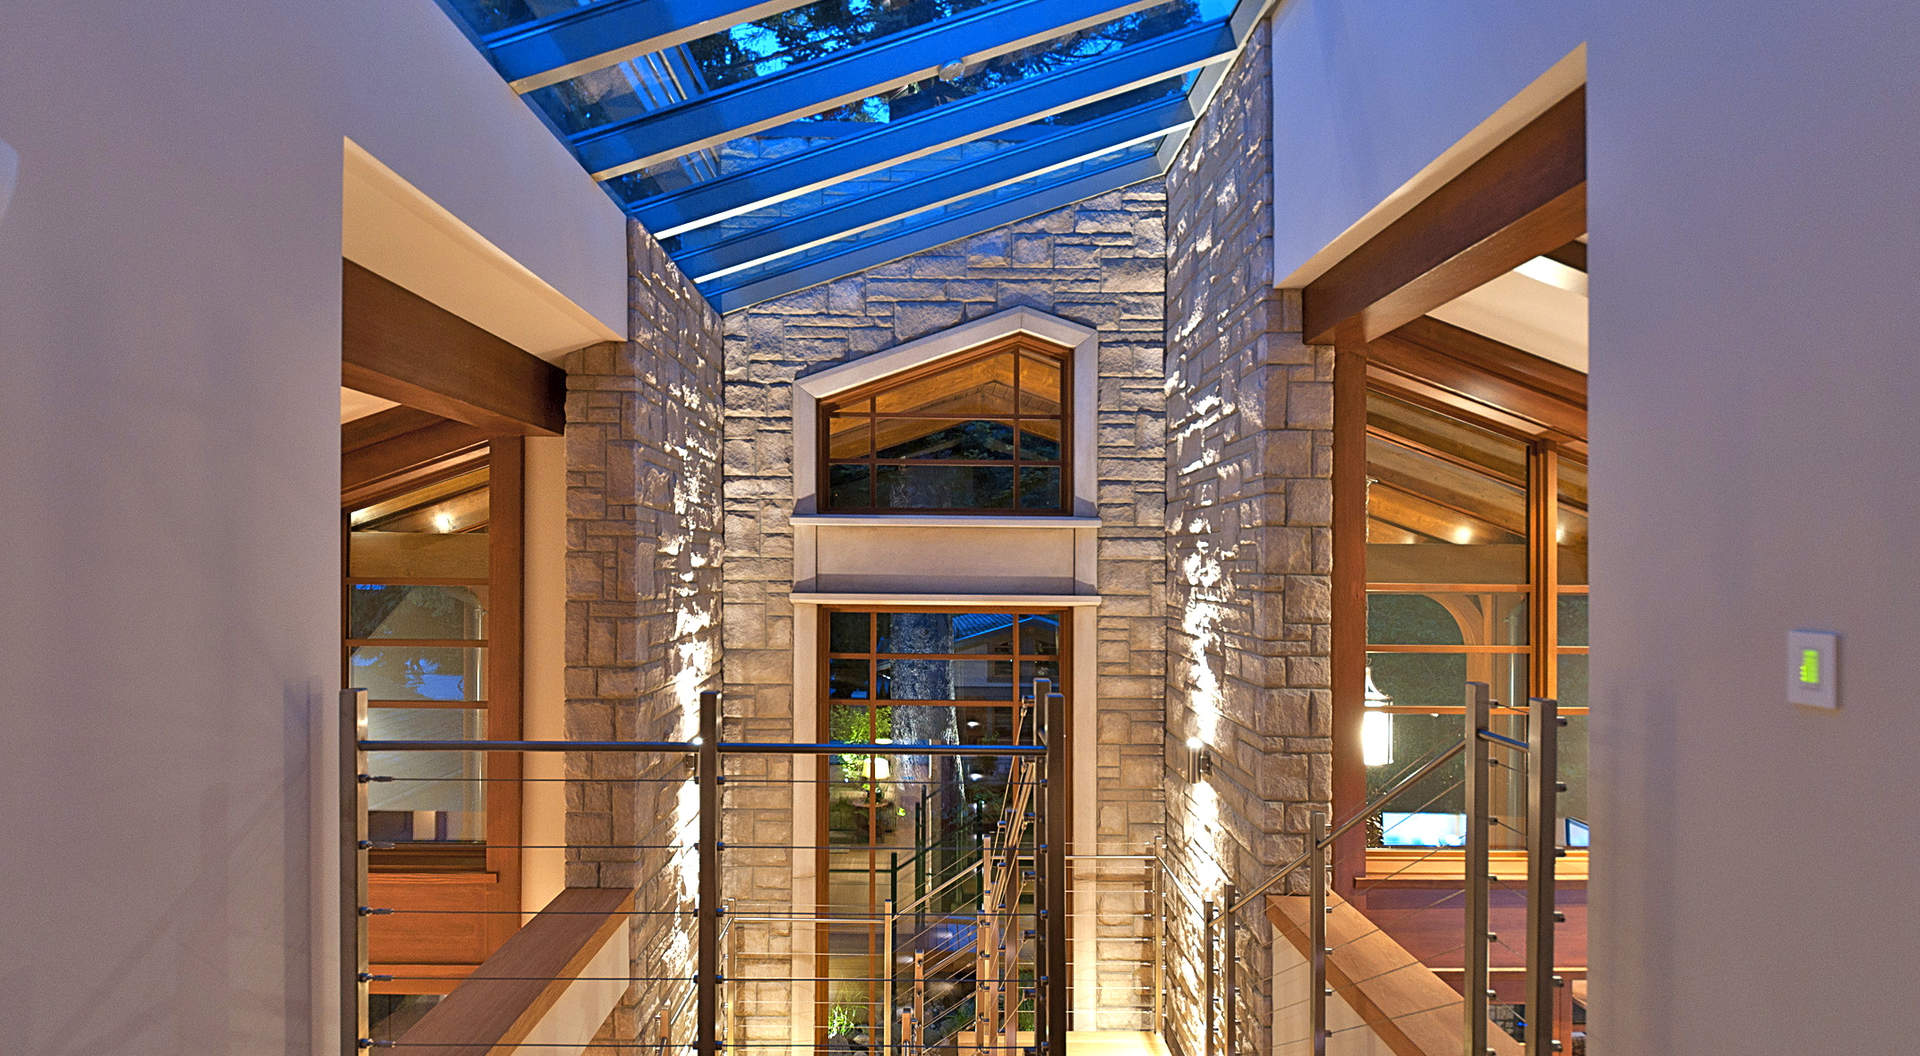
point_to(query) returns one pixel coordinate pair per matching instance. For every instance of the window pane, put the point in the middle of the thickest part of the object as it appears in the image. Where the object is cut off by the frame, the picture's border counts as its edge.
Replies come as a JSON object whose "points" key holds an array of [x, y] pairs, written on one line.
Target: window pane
{"points": [[956, 441], [1039, 635], [1446, 506], [1040, 488], [418, 673], [1446, 618], [438, 795], [1572, 750], [1032, 669], [848, 680], [412, 555], [1572, 532], [857, 723], [946, 632], [456, 504], [944, 679], [849, 487], [1040, 439], [848, 436], [378, 611], [1040, 385], [1573, 619], [1432, 813], [847, 632], [944, 488], [1572, 676], [1438, 681], [977, 387]]}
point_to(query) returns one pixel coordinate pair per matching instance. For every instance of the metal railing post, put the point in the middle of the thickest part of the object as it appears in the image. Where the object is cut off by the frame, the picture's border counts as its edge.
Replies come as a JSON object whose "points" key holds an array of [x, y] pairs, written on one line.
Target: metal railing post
{"points": [[1052, 978], [886, 977], [1158, 907], [1543, 849], [1474, 986], [1317, 934], [732, 1000], [1206, 954], [984, 970], [707, 968], [1232, 989], [355, 1024], [919, 999]]}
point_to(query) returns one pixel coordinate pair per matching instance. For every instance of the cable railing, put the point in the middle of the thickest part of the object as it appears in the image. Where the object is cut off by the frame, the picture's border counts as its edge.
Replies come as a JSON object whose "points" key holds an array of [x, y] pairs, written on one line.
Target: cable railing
{"points": [[693, 971], [1325, 928]]}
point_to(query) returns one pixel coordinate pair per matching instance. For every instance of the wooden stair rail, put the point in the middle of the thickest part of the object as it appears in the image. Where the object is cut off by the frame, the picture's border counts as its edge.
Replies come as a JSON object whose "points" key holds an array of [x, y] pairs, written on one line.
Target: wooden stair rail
{"points": [[505, 998]]}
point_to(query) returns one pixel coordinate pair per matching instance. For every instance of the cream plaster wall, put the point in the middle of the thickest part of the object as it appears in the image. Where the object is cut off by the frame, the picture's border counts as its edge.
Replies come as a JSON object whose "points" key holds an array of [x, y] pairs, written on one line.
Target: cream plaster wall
{"points": [[1754, 451], [1376, 102], [169, 470]]}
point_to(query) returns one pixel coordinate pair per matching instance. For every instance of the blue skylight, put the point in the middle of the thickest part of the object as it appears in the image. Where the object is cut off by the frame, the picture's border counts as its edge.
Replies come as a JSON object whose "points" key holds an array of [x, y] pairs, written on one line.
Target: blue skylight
{"points": [[768, 143]]}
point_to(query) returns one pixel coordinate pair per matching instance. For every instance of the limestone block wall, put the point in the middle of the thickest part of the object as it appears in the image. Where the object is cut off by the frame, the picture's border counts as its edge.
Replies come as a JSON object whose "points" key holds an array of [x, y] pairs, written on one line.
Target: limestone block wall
{"points": [[643, 613], [1100, 263], [1249, 538]]}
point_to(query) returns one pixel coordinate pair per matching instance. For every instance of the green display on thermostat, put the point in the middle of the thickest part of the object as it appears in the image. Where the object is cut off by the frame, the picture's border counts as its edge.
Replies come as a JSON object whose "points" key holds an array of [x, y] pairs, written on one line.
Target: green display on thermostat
{"points": [[1810, 667]]}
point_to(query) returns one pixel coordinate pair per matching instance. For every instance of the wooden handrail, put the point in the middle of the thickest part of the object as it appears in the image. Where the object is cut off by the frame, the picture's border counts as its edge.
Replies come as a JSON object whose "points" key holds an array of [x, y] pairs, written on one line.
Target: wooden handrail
{"points": [[505, 998]]}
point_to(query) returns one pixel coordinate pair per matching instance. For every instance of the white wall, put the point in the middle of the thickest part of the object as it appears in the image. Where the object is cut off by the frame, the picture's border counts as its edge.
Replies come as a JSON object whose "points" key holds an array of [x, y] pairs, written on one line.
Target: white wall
{"points": [[1754, 394], [169, 363], [1367, 94]]}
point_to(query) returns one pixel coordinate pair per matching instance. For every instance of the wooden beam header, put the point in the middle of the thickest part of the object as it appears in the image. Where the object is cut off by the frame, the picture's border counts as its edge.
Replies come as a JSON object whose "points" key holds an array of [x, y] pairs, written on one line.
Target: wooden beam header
{"points": [[401, 346], [1526, 197]]}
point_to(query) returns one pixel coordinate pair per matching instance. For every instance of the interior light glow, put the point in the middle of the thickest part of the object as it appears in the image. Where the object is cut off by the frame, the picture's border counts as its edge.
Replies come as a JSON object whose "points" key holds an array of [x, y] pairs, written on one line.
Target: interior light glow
{"points": [[1463, 534], [1376, 727], [443, 522]]}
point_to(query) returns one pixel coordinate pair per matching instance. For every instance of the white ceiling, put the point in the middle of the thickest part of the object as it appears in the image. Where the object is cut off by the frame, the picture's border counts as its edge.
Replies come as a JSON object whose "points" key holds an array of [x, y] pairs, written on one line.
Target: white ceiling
{"points": [[1539, 307]]}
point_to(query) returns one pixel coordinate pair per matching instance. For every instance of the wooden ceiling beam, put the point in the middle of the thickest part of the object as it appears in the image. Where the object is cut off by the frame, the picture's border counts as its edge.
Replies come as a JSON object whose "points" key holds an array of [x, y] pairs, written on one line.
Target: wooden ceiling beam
{"points": [[1462, 372], [1573, 255], [1526, 197], [398, 345], [400, 443]]}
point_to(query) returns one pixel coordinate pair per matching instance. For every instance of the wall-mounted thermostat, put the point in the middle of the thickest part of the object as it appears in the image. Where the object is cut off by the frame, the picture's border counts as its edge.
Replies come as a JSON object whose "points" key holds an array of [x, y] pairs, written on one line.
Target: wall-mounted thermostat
{"points": [[1813, 669]]}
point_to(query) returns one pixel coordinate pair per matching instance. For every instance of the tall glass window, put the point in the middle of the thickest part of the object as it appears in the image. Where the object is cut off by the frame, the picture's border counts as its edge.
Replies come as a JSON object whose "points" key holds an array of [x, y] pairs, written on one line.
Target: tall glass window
{"points": [[904, 827], [985, 432], [417, 640], [1455, 541]]}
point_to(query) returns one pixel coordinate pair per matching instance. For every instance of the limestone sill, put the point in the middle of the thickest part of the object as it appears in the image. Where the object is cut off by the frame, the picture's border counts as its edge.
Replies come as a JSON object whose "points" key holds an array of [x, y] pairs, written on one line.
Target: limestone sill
{"points": [[937, 520]]}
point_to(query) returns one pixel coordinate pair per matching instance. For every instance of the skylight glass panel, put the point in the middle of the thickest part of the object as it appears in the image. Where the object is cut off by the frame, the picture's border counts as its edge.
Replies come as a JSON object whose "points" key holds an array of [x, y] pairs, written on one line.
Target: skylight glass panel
{"points": [[822, 201], [826, 132], [921, 221]]}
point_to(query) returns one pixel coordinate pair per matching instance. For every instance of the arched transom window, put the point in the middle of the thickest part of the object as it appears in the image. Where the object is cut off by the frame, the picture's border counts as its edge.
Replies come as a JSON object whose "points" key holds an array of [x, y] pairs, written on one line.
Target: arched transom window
{"points": [[980, 432]]}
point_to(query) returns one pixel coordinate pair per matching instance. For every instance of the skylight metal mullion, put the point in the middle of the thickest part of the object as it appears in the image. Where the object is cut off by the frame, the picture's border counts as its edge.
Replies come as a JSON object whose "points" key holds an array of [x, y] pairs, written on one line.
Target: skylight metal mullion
{"points": [[843, 77], [565, 46], [861, 256], [959, 122], [1075, 143]]}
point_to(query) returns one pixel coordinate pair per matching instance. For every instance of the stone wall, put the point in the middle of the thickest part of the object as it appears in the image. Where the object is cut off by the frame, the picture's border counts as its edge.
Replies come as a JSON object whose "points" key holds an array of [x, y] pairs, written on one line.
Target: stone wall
{"points": [[1249, 540], [1099, 263], [643, 612]]}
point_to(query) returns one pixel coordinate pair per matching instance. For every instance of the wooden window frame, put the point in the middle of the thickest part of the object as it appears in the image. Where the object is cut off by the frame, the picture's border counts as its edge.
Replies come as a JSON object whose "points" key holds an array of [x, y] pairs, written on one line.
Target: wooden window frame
{"points": [[466, 904], [1063, 657], [1019, 346], [1358, 371]]}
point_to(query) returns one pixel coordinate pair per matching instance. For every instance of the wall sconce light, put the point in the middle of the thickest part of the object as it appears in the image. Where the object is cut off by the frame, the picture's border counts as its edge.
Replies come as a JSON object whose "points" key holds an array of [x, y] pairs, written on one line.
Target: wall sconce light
{"points": [[1199, 760]]}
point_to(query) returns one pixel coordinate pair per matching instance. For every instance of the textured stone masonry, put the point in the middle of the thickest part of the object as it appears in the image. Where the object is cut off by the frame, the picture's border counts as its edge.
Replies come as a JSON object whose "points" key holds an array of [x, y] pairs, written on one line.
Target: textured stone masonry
{"points": [[643, 613], [1249, 536], [1099, 263]]}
